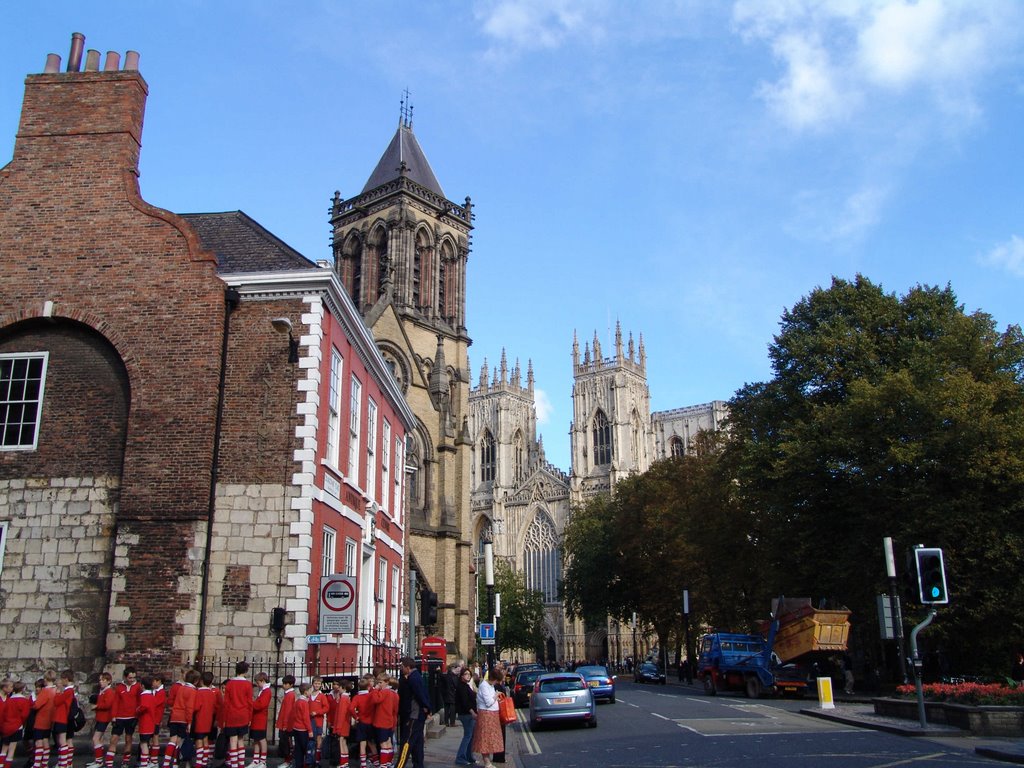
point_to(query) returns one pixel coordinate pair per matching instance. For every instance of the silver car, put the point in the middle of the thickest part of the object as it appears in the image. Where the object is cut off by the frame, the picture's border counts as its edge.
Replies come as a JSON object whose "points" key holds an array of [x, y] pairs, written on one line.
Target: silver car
{"points": [[560, 696]]}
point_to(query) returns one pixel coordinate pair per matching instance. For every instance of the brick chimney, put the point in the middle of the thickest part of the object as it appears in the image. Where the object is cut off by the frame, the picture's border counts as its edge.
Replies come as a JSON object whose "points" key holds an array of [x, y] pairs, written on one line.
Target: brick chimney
{"points": [[86, 124]]}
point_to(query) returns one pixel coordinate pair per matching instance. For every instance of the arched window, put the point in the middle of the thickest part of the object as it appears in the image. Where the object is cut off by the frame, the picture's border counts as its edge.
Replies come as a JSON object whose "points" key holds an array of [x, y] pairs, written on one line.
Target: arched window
{"points": [[446, 283], [518, 457], [602, 439], [421, 270], [487, 457], [377, 246], [542, 557], [352, 266], [414, 459], [676, 447]]}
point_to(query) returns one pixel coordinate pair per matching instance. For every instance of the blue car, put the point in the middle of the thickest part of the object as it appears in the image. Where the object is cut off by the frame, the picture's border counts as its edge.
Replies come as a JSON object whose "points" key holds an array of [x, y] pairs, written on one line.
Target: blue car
{"points": [[601, 682]]}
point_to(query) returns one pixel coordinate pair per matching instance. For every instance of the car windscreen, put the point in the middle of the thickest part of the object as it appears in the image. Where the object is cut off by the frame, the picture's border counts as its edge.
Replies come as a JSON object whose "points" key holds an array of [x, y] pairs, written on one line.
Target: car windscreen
{"points": [[561, 684]]}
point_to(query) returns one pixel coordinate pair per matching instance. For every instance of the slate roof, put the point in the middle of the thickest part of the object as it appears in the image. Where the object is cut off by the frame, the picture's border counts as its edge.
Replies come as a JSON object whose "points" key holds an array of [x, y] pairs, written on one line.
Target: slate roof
{"points": [[404, 147], [243, 244]]}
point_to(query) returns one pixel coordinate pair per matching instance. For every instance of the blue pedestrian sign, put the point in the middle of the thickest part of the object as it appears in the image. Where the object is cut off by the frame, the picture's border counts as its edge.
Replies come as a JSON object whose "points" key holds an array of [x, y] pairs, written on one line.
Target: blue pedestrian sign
{"points": [[486, 634]]}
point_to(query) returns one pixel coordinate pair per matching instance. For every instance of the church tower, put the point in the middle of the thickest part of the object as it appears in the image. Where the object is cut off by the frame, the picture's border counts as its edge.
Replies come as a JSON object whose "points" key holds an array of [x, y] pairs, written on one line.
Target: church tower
{"points": [[400, 249], [611, 415]]}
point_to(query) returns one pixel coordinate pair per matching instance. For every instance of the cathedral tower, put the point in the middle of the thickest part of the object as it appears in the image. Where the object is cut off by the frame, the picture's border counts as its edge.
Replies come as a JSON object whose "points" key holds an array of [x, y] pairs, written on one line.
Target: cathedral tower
{"points": [[611, 415], [401, 248]]}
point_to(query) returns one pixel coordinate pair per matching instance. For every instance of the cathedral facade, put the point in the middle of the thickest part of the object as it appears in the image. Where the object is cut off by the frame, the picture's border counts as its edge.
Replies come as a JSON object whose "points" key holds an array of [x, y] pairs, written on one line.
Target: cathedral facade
{"points": [[522, 503]]}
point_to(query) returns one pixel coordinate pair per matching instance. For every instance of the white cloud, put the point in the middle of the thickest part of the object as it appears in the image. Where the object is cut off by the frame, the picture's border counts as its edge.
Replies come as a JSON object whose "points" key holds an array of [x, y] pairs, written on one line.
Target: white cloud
{"points": [[544, 406], [837, 55], [824, 216], [538, 24], [1008, 256]]}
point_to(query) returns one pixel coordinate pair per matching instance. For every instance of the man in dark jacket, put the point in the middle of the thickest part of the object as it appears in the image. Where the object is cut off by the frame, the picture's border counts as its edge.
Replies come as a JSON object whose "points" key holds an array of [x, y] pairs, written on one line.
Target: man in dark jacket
{"points": [[418, 709], [449, 684]]}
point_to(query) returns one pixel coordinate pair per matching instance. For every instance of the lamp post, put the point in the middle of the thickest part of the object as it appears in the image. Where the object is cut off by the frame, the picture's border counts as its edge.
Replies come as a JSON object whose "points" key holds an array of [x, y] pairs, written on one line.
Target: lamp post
{"points": [[894, 604], [489, 581], [635, 662]]}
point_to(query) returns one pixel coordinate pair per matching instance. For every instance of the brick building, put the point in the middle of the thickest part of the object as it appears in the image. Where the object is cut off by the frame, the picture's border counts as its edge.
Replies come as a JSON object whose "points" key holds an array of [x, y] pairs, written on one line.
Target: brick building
{"points": [[195, 422]]}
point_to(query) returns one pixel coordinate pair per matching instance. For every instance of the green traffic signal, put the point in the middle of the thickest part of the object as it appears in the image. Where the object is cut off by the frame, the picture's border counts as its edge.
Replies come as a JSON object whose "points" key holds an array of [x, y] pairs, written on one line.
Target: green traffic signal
{"points": [[931, 576]]}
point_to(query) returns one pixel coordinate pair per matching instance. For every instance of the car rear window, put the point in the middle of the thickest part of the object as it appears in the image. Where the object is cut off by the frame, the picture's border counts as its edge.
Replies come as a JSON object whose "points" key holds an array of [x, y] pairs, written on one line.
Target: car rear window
{"points": [[528, 677], [593, 671], [562, 684]]}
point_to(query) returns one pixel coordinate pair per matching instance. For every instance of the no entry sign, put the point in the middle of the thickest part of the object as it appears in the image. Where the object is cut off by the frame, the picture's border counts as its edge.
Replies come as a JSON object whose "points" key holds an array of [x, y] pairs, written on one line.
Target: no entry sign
{"points": [[337, 604]]}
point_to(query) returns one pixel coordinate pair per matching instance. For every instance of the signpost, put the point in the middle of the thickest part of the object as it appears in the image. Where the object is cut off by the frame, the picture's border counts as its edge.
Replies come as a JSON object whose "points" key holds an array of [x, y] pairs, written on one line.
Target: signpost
{"points": [[487, 633], [317, 639], [337, 604]]}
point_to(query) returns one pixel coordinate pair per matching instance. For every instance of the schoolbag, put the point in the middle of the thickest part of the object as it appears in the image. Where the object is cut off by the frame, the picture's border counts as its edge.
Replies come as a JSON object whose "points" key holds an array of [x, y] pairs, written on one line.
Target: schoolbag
{"points": [[76, 716]]}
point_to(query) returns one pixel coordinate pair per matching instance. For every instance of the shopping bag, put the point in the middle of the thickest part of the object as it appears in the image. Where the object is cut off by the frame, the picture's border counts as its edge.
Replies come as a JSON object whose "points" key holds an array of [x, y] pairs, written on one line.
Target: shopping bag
{"points": [[507, 710]]}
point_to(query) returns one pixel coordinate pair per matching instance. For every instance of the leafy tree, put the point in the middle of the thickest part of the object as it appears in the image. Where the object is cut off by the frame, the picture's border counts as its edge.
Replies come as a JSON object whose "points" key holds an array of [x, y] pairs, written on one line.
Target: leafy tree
{"points": [[891, 416], [521, 624]]}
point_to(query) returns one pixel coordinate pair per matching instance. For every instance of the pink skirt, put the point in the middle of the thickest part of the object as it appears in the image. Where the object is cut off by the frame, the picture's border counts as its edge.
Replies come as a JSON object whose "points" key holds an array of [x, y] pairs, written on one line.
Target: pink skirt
{"points": [[487, 735]]}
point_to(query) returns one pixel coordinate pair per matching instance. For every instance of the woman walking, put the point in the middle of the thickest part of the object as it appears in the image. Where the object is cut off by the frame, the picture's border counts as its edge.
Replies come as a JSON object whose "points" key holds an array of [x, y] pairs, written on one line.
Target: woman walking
{"points": [[487, 735], [465, 707]]}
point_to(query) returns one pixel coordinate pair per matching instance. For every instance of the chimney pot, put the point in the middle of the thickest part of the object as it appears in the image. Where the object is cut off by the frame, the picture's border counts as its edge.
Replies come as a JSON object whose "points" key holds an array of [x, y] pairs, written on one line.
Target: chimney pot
{"points": [[75, 57], [52, 63], [113, 62], [131, 60], [92, 60]]}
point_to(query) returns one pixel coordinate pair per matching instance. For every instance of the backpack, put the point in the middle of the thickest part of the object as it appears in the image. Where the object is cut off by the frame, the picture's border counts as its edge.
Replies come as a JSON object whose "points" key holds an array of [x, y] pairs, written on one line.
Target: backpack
{"points": [[76, 716]]}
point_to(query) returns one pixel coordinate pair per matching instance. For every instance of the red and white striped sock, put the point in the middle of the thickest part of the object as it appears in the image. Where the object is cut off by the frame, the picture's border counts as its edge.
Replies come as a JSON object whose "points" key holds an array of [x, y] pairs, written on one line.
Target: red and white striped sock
{"points": [[110, 759], [67, 754]]}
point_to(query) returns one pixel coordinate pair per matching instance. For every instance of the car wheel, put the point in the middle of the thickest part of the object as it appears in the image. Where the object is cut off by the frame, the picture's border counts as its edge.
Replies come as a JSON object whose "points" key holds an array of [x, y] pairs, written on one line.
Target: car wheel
{"points": [[709, 685], [534, 725], [754, 687], [592, 723], [612, 699]]}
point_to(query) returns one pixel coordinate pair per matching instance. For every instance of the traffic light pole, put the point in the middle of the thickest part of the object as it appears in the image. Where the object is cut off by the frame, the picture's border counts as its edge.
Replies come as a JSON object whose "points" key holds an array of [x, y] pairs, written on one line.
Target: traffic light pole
{"points": [[918, 664]]}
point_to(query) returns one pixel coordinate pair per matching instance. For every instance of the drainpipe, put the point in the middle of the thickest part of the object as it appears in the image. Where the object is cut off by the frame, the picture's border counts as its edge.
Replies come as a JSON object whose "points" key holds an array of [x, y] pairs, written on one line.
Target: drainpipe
{"points": [[231, 301]]}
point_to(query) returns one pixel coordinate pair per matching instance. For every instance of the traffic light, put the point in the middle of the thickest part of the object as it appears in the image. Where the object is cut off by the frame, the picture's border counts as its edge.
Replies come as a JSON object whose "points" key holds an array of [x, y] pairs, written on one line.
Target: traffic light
{"points": [[428, 608], [931, 576]]}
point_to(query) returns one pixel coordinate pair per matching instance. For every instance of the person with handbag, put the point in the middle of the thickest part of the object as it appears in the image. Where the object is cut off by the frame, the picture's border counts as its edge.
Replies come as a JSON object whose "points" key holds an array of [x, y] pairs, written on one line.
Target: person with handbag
{"points": [[465, 706], [487, 736]]}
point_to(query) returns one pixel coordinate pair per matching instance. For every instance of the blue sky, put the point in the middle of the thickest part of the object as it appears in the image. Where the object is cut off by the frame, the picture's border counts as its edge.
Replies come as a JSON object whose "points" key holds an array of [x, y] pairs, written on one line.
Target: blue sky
{"points": [[688, 169]]}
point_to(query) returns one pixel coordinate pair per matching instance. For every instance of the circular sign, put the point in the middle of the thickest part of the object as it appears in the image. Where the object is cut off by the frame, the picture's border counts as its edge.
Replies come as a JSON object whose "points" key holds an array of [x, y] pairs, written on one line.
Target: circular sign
{"points": [[337, 595]]}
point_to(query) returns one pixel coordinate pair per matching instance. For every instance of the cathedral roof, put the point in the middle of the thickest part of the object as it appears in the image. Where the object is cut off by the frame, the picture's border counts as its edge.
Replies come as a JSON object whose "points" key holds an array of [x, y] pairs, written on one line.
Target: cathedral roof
{"points": [[404, 150], [242, 244]]}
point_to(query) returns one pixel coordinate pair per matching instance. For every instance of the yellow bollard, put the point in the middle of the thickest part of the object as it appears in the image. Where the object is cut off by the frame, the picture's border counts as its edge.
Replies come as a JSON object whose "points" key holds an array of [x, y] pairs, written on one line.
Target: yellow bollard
{"points": [[825, 700]]}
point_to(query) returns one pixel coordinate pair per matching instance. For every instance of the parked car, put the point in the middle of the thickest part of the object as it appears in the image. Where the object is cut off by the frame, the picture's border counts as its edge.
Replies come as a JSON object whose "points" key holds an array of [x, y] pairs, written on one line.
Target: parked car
{"points": [[600, 680], [522, 686], [649, 673], [559, 697]]}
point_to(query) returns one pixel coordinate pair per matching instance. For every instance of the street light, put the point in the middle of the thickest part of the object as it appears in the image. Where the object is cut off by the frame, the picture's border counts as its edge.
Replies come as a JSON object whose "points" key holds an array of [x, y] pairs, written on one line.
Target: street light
{"points": [[489, 581]]}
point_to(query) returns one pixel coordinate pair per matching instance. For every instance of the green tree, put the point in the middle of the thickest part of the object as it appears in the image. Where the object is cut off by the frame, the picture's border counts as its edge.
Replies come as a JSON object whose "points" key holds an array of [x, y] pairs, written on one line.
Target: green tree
{"points": [[521, 624], [890, 416]]}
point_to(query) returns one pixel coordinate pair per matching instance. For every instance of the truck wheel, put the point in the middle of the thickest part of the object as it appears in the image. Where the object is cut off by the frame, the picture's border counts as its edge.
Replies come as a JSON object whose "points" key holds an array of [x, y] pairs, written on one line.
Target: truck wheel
{"points": [[754, 687], [709, 685]]}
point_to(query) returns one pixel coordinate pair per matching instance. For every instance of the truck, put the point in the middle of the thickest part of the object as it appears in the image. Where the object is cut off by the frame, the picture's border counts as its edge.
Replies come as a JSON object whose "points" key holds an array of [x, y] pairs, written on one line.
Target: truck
{"points": [[779, 659]]}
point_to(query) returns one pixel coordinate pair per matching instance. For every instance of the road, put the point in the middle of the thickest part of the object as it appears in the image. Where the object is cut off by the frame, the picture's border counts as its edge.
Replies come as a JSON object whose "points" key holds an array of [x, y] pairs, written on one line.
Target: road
{"points": [[667, 726]]}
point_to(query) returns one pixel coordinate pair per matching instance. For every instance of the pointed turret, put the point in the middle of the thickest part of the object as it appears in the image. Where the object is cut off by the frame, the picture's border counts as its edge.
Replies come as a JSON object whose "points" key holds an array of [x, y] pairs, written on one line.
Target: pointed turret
{"points": [[404, 157]]}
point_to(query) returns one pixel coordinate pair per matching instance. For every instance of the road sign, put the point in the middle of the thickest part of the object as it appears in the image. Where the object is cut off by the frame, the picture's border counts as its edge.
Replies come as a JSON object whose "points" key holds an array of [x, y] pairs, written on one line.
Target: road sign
{"points": [[487, 633], [337, 604], [317, 639]]}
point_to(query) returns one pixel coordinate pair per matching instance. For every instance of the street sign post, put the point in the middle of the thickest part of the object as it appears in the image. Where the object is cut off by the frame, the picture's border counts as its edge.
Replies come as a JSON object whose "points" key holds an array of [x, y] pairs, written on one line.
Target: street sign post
{"points": [[487, 633], [317, 639], [337, 604]]}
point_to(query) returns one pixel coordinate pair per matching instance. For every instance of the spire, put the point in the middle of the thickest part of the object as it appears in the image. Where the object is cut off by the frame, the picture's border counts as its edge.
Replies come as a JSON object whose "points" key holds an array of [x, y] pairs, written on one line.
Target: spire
{"points": [[632, 349], [439, 372], [483, 375], [504, 367], [516, 376], [643, 355], [404, 157], [598, 357], [575, 350], [529, 374], [618, 342]]}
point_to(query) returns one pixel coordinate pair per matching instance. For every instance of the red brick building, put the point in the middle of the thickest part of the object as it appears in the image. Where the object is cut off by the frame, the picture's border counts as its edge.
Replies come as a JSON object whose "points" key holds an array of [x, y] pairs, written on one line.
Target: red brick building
{"points": [[192, 414]]}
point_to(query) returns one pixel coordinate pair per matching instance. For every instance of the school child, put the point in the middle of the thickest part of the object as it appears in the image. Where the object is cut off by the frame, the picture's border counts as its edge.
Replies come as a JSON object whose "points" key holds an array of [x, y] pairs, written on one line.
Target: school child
{"points": [[126, 705], [258, 724], [317, 711], [181, 716], [385, 717], [12, 725], [302, 727], [362, 706], [103, 711], [284, 716], [62, 700], [147, 717], [43, 724], [237, 714], [202, 723], [341, 722], [160, 696]]}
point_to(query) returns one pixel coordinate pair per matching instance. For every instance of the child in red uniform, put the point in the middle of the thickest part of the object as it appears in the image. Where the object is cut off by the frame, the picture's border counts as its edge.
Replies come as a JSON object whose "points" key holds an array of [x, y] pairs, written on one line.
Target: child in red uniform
{"points": [[318, 707], [362, 706], [385, 717], [103, 711], [341, 722], [202, 722], [43, 707], [160, 694], [61, 710], [284, 717], [302, 727], [12, 725], [126, 704], [258, 725], [237, 714], [147, 717], [181, 716]]}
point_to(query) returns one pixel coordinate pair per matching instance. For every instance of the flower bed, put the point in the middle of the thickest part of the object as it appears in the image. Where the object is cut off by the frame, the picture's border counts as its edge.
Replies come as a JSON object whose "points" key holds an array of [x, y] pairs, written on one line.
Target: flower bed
{"points": [[984, 710]]}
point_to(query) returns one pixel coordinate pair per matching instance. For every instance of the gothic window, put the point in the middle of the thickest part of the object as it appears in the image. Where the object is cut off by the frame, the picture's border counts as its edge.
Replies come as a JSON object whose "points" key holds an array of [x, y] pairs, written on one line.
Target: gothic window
{"points": [[602, 439], [377, 245], [446, 283], [414, 459], [676, 447], [420, 262], [352, 267], [519, 457], [542, 557], [487, 457], [637, 445]]}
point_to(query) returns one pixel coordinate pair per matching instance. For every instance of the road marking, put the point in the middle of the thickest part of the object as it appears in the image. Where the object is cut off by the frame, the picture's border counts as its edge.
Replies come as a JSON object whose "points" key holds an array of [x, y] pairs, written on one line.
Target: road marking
{"points": [[909, 760], [661, 716]]}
